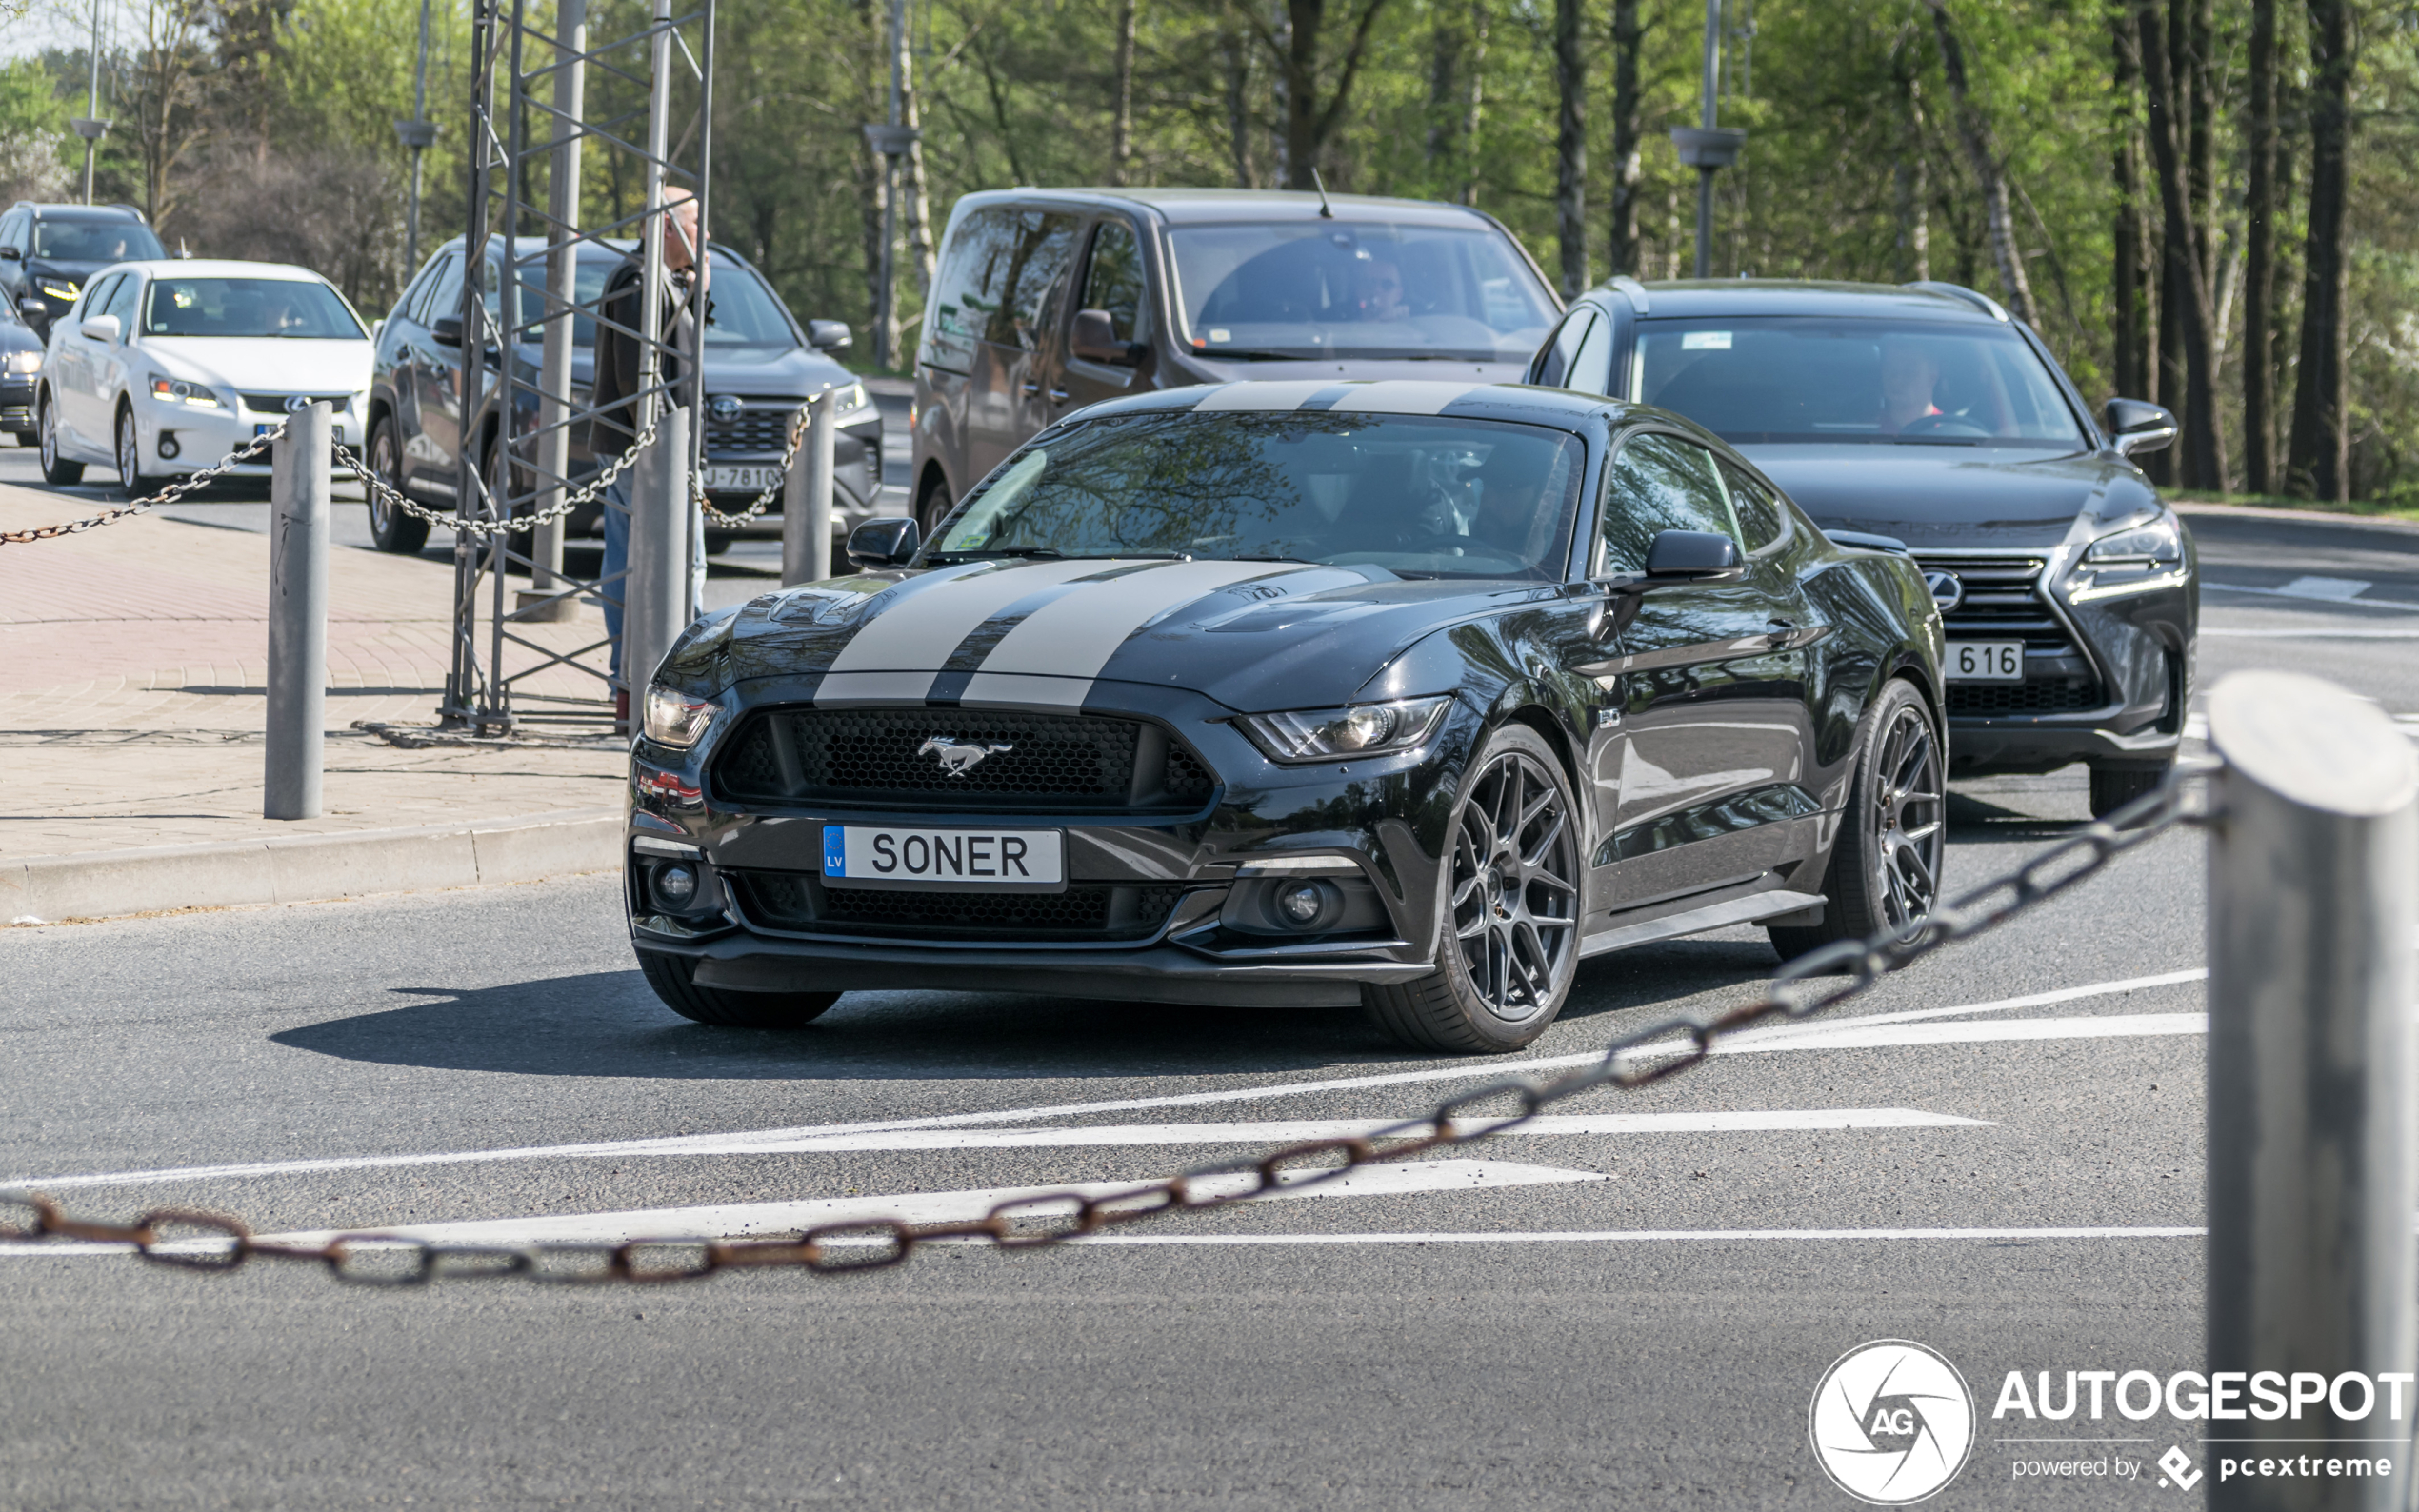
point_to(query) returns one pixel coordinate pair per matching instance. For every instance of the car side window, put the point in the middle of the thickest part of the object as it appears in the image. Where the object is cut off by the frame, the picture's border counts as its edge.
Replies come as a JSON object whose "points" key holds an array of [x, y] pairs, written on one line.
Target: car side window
{"points": [[1112, 280], [96, 297], [1658, 482], [1564, 346], [1045, 245], [445, 293], [13, 230], [122, 303], [1592, 366], [966, 291], [1762, 519]]}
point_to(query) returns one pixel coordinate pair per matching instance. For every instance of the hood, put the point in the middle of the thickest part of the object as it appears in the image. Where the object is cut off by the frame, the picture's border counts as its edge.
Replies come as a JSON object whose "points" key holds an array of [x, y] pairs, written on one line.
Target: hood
{"points": [[799, 371], [1204, 370], [1255, 636], [59, 269], [1944, 498], [264, 364]]}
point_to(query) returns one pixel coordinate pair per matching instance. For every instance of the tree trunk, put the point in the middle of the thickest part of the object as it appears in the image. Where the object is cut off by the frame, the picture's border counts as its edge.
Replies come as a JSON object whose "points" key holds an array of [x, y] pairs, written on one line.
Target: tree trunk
{"points": [[2204, 459], [2202, 81], [2259, 275], [1309, 120], [1911, 171], [1238, 70], [1628, 132], [2317, 465], [1443, 90], [2125, 281], [1121, 136], [1474, 105], [915, 197], [2014, 287], [1571, 148]]}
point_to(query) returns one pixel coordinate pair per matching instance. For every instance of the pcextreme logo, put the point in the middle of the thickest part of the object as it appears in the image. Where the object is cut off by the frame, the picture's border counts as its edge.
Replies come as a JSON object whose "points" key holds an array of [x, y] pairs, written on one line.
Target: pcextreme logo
{"points": [[1892, 1422]]}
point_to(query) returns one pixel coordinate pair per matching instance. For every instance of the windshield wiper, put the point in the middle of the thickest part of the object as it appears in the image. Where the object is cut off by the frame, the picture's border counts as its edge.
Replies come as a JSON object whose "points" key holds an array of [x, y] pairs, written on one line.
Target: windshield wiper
{"points": [[1054, 554], [1306, 561], [1245, 354]]}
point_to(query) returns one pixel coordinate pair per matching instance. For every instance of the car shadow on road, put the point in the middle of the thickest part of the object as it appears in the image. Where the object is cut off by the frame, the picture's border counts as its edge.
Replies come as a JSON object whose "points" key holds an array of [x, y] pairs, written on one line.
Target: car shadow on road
{"points": [[607, 1023]]}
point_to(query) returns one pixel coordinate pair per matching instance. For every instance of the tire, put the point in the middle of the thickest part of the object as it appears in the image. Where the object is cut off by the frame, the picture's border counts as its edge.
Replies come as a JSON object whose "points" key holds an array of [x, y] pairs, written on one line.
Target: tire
{"points": [[391, 529], [1885, 869], [933, 505], [129, 451], [671, 976], [1507, 909], [2112, 787], [56, 471]]}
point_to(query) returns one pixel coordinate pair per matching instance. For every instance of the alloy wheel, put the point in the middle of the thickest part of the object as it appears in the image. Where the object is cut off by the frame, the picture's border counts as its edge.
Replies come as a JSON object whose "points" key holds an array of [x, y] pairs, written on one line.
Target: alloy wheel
{"points": [[49, 436], [129, 460], [1909, 813], [1516, 898], [382, 467]]}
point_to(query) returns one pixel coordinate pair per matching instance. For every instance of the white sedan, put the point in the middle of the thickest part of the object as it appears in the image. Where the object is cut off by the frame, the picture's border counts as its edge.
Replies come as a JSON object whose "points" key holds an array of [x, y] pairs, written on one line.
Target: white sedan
{"points": [[164, 368]]}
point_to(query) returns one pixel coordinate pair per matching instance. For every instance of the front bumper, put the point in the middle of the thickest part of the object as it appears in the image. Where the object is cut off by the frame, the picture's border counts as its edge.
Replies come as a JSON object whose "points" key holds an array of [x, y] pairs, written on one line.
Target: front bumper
{"points": [[856, 479], [1367, 819], [179, 438], [16, 403]]}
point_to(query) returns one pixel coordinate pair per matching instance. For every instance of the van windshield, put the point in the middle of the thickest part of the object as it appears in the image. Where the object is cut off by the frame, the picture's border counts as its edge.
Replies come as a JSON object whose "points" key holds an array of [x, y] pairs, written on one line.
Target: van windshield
{"points": [[1357, 289], [1421, 496]]}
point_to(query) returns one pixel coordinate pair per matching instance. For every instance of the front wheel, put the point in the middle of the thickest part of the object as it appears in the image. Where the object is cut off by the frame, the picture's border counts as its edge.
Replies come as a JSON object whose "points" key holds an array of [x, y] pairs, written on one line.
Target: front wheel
{"points": [[933, 507], [1885, 870], [1507, 927], [130, 476], [391, 529], [56, 471], [675, 981]]}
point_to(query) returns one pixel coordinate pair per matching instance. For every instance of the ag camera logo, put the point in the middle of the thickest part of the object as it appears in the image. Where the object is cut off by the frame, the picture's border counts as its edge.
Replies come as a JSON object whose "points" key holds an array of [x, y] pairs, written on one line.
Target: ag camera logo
{"points": [[1892, 1422]]}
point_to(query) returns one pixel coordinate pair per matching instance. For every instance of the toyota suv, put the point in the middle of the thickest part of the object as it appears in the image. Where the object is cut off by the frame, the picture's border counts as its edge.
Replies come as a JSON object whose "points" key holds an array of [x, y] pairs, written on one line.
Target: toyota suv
{"points": [[759, 368], [1923, 419]]}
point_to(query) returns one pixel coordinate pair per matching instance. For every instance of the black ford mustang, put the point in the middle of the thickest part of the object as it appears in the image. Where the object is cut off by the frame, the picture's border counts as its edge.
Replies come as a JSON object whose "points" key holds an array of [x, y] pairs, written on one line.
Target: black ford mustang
{"points": [[1404, 693]]}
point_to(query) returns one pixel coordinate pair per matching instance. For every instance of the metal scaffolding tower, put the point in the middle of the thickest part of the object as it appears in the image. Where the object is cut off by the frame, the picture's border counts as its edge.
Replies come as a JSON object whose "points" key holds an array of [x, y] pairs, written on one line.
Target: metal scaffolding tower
{"points": [[540, 100]]}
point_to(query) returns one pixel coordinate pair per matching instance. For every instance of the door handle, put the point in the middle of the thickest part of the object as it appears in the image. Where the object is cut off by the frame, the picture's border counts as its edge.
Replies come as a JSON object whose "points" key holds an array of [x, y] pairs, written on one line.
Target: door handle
{"points": [[1058, 396], [1031, 389]]}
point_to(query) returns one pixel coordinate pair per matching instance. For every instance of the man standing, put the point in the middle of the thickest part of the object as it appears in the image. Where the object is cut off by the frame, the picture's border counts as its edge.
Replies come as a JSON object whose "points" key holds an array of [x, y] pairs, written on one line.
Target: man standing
{"points": [[683, 306]]}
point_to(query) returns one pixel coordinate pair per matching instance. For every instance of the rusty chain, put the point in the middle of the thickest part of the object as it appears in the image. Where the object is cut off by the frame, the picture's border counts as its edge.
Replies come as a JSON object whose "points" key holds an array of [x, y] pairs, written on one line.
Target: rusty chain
{"points": [[201, 1241], [174, 491]]}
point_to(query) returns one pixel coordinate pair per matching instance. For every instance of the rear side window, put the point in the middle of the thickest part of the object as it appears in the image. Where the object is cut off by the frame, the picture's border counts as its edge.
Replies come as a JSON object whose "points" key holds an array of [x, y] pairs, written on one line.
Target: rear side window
{"points": [[966, 291], [1762, 519], [1113, 282], [1658, 483]]}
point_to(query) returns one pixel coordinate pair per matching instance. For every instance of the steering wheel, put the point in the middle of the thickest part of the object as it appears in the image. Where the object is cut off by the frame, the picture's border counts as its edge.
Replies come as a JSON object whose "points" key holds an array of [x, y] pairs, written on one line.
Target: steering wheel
{"points": [[1441, 542]]}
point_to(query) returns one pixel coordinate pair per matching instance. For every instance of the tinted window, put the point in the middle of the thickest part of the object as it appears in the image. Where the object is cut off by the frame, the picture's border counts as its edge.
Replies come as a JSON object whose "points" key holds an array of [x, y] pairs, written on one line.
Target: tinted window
{"points": [[1564, 347], [424, 305], [445, 296], [1361, 288], [1113, 282], [1658, 483], [1862, 381], [1045, 245], [247, 306], [745, 312], [965, 290], [1762, 519], [111, 240], [96, 296], [1420, 496], [12, 230]]}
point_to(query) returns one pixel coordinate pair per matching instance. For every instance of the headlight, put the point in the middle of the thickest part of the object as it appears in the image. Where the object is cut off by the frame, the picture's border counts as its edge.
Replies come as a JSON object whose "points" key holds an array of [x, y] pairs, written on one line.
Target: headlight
{"points": [[65, 291], [676, 719], [852, 399], [178, 392], [2158, 544], [1363, 730], [24, 362], [2141, 559]]}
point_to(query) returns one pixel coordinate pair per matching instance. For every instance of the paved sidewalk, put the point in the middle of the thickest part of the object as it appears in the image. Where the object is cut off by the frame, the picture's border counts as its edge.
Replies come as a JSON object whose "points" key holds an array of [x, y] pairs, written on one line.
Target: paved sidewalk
{"points": [[132, 702]]}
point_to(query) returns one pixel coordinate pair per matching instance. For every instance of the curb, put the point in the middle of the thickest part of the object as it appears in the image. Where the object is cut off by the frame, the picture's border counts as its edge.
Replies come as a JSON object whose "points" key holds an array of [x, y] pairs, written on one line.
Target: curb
{"points": [[310, 868], [2316, 517]]}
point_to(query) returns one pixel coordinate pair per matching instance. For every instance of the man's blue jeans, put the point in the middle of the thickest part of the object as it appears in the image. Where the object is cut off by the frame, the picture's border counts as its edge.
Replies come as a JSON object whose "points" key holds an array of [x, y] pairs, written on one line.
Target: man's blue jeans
{"points": [[616, 499]]}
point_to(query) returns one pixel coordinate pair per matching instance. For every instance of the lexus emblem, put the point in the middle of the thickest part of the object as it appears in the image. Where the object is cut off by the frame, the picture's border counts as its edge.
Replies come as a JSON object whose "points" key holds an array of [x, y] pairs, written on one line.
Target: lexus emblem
{"points": [[298, 404], [1947, 589], [958, 757], [726, 408]]}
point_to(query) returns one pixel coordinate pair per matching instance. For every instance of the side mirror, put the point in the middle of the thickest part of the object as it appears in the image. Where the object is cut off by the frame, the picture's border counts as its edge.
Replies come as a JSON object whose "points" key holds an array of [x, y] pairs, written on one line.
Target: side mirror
{"points": [[883, 542], [2136, 426], [447, 330], [12, 255], [828, 335], [101, 327], [377, 329], [1094, 339], [1692, 556], [33, 307]]}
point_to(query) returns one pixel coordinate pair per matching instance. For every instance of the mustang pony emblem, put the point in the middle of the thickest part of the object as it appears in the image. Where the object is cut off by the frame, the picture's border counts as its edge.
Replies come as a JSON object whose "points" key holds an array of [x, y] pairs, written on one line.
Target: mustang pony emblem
{"points": [[958, 757]]}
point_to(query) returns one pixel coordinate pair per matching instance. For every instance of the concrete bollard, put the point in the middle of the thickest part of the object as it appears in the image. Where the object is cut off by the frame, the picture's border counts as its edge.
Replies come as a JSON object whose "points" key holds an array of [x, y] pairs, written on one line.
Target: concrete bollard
{"points": [[655, 595], [806, 499], [2313, 1063], [298, 495]]}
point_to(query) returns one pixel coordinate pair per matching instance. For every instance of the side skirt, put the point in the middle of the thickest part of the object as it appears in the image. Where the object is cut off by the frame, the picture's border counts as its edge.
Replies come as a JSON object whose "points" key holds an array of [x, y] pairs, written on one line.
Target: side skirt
{"points": [[1696, 921]]}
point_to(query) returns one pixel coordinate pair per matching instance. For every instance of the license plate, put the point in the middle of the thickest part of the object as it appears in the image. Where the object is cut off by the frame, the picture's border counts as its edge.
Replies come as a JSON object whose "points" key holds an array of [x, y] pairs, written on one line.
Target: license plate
{"points": [[870, 856], [1986, 662], [335, 432], [741, 480]]}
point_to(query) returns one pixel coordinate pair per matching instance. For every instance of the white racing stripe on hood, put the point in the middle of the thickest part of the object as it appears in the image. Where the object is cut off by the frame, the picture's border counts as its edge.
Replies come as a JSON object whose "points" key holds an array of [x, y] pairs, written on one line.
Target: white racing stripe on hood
{"points": [[1405, 396], [894, 657], [1288, 393], [1053, 653]]}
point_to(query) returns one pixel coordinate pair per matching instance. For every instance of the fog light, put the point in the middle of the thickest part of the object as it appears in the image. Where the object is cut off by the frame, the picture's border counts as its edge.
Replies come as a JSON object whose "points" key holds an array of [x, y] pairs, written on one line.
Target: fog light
{"points": [[676, 886], [1302, 903], [169, 448]]}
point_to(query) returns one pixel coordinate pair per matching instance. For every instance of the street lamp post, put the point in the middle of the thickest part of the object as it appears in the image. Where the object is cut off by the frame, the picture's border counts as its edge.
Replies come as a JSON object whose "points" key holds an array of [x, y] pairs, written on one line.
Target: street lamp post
{"points": [[1708, 148], [417, 134], [90, 125]]}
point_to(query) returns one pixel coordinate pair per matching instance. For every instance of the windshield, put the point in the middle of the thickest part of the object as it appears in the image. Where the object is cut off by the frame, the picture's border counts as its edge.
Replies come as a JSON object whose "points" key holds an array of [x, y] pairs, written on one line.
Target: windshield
{"points": [[1421, 497], [1881, 381], [745, 311], [248, 306], [1354, 288], [111, 240]]}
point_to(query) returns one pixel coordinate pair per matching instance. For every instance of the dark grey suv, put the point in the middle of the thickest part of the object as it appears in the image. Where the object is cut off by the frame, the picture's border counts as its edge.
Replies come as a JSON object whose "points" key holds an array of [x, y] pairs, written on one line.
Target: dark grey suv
{"points": [[1924, 419]]}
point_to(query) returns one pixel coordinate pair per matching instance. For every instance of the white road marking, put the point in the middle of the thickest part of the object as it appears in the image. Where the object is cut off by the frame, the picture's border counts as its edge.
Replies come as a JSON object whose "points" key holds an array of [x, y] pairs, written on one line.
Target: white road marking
{"points": [[2315, 633], [737, 1220], [2316, 588], [720, 1144], [2290, 591], [2102, 1026]]}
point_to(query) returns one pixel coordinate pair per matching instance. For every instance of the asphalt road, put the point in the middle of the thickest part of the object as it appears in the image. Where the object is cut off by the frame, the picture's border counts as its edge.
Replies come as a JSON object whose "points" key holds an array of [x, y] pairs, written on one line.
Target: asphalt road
{"points": [[1605, 1316]]}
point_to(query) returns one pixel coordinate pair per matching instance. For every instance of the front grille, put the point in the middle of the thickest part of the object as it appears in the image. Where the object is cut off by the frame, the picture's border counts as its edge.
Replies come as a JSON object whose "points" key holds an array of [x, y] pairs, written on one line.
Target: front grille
{"points": [[762, 425], [874, 758], [275, 403], [799, 901], [2004, 601], [2064, 695]]}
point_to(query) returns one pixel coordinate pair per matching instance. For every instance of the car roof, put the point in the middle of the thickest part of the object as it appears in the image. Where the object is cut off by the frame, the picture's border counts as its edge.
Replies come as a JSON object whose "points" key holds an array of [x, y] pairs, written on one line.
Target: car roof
{"points": [[1452, 399], [79, 213], [1714, 297], [1181, 205], [216, 268]]}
